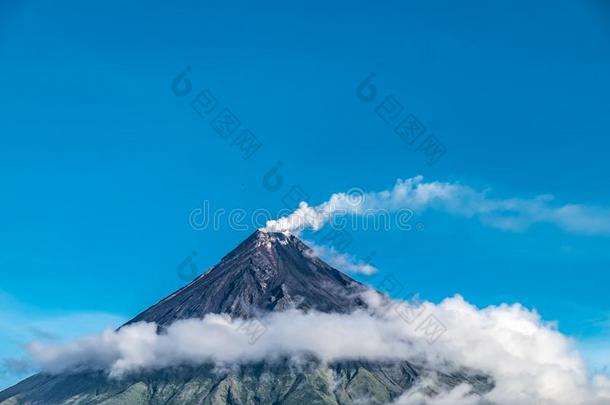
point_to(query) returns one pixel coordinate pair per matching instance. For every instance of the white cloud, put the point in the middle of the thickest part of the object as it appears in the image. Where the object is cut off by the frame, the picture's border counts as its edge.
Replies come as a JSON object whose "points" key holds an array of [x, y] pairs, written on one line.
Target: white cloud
{"points": [[529, 359], [414, 194], [460, 395], [341, 261]]}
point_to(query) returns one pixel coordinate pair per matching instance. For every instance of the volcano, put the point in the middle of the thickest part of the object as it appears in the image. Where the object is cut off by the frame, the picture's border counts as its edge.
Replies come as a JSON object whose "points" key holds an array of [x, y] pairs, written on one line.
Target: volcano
{"points": [[267, 272]]}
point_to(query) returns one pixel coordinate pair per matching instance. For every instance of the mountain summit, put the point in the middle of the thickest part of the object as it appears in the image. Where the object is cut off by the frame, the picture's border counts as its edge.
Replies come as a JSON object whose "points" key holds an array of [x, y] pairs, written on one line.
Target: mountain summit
{"points": [[266, 272]]}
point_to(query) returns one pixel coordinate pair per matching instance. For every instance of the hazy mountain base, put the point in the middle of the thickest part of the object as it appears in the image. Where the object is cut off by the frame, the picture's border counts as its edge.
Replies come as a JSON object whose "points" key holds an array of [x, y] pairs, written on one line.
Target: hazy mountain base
{"points": [[261, 383]]}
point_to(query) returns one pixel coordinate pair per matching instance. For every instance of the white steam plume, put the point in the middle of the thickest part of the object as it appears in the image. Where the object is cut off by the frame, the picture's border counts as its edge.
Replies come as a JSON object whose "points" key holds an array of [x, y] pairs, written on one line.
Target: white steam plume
{"points": [[453, 198]]}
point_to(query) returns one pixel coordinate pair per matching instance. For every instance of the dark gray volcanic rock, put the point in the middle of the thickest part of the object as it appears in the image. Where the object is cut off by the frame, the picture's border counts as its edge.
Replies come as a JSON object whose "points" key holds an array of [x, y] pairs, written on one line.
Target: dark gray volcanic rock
{"points": [[266, 272]]}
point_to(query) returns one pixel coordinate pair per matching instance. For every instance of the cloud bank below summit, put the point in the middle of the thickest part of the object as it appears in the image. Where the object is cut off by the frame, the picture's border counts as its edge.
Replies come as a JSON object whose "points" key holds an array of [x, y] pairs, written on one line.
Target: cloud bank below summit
{"points": [[530, 361], [515, 214]]}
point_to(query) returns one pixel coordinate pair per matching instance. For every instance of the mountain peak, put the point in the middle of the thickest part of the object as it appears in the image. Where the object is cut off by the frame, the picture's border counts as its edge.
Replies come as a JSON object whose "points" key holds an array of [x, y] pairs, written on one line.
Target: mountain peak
{"points": [[263, 238], [268, 271], [263, 242]]}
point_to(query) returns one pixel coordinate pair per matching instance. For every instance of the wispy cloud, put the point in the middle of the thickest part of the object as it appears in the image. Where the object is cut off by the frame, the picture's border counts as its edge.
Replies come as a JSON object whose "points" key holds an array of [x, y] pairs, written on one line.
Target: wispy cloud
{"points": [[342, 261], [514, 213]]}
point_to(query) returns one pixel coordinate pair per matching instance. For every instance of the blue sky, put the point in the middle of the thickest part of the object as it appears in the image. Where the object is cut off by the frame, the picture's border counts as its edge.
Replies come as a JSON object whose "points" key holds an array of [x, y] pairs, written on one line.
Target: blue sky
{"points": [[101, 163]]}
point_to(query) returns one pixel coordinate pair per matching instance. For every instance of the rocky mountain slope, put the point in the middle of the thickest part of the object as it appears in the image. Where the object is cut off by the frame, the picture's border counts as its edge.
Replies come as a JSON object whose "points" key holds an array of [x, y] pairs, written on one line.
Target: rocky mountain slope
{"points": [[266, 272]]}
